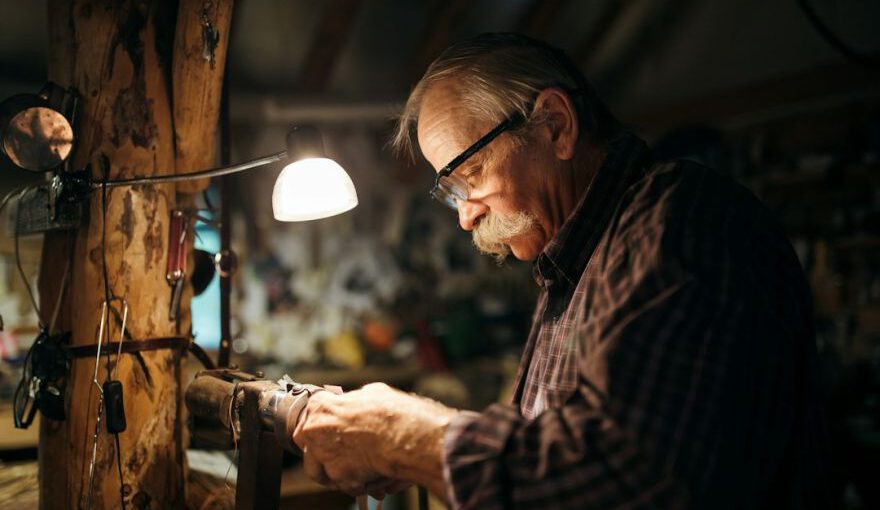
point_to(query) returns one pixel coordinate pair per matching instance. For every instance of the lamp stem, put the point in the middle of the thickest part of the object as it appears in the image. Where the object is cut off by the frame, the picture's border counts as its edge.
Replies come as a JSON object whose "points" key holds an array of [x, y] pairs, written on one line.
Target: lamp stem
{"points": [[213, 172]]}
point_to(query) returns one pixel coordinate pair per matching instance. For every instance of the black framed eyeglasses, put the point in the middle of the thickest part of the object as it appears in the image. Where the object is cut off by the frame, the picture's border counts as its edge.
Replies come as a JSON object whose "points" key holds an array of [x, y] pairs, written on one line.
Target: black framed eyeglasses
{"points": [[448, 188]]}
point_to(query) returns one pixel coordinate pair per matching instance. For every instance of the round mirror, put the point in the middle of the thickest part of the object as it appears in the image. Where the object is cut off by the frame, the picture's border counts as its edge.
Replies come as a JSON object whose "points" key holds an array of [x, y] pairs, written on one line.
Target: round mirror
{"points": [[38, 139]]}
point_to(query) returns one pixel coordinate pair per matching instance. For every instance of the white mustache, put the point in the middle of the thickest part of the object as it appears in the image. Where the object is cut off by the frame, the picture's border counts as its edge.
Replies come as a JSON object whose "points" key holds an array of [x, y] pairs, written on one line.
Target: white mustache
{"points": [[492, 232]]}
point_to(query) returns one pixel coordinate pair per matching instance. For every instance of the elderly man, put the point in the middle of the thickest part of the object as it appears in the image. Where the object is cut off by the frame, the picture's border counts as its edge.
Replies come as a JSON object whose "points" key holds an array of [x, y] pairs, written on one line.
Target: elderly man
{"points": [[672, 360]]}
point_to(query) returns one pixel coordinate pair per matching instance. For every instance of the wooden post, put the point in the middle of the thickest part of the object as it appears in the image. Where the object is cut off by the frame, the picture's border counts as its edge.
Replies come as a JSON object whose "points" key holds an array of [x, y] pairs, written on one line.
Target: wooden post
{"points": [[118, 55]]}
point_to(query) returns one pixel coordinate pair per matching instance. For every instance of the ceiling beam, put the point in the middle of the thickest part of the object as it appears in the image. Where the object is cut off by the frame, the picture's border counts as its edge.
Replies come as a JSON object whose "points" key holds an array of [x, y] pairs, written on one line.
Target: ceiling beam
{"points": [[638, 32], [609, 12], [332, 33], [538, 17], [443, 16], [272, 109], [823, 87]]}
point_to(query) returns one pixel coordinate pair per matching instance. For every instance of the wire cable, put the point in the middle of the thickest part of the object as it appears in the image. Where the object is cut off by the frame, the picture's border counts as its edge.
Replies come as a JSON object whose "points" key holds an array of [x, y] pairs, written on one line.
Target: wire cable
{"points": [[24, 278], [834, 40], [21, 398], [109, 299], [63, 286], [3, 203], [11, 194]]}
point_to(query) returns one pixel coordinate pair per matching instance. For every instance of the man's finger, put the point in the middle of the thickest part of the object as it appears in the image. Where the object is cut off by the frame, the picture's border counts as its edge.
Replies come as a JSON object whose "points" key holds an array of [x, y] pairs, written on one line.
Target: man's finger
{"points": [[314, 469]]}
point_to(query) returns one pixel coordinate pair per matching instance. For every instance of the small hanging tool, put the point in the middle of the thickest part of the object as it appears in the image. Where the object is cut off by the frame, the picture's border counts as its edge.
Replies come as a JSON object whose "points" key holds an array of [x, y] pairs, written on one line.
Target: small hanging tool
{"points": [[210, 35], [113, 387], [176, 269], [110, 393]]}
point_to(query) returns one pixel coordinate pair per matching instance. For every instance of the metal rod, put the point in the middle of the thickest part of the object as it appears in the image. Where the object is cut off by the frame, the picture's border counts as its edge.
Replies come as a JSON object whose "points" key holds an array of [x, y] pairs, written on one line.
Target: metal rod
{"points": [[100, 405], [225, 231], [213, 172]]}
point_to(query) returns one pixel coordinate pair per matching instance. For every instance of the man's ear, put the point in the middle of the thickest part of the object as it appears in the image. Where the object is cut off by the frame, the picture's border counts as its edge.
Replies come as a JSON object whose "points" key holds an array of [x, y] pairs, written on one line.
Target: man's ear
{"points": [[556, 107]]}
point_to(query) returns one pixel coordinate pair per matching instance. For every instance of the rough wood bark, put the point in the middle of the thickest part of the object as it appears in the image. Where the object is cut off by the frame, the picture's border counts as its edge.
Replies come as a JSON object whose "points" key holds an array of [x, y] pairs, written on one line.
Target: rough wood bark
{"points": [[118, 55], [197, 75]]}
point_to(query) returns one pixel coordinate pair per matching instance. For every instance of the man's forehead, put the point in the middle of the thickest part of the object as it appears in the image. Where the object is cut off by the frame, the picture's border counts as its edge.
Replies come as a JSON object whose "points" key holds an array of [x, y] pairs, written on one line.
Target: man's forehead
{"points": [[445, 127], [440, 108], [438, 130]]}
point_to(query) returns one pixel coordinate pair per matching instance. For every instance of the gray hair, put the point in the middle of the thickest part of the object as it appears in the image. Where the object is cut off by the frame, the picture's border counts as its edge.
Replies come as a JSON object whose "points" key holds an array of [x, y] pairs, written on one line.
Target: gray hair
{"points": [[500, 74]]}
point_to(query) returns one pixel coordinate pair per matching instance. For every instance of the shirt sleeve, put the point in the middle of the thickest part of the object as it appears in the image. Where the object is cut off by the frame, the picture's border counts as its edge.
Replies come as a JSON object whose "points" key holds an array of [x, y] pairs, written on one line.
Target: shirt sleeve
{"points": [[655, 420]]}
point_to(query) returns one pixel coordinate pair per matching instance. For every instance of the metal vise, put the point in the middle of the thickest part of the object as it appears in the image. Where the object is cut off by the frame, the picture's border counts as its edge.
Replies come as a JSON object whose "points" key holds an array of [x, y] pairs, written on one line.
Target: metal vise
{"points": [[230, 409]]}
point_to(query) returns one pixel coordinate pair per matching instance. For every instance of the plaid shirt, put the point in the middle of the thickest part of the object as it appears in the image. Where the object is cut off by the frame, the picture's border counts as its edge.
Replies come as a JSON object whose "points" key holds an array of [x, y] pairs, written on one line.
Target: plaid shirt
{"points": [[671, 362]]}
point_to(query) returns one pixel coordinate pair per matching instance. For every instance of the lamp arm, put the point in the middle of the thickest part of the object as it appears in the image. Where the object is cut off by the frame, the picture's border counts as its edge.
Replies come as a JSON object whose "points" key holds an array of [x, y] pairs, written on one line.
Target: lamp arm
{"points": [[202, 174]]}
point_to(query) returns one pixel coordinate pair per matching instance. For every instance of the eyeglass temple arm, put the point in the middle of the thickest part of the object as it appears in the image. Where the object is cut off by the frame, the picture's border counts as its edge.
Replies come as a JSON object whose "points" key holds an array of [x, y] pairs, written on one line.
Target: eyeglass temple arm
{"points": [[479, 144]]}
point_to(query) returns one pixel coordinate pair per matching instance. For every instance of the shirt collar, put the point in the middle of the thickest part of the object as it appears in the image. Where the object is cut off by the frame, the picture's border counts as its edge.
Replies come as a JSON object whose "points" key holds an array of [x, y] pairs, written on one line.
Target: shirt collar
{"points": [[565, 257]]}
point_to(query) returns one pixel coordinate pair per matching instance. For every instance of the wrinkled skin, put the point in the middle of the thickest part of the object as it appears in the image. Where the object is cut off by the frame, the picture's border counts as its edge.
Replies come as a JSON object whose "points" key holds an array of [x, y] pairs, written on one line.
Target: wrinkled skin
{"points": [[377, 439], [373, 440]]}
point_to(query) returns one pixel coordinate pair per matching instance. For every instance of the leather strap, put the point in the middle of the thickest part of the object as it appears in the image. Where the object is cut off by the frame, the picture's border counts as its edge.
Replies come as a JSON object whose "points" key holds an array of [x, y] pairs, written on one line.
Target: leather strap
{"points": [[202, 356], [130, 346]]}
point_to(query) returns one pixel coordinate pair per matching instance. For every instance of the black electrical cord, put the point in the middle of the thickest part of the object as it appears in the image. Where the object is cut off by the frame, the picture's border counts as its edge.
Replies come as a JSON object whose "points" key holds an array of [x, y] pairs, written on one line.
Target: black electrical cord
{"points": [[107, 295], [3, 203], [207, 199], [21, 272], [21, 397], [108, 300], [833, 40]]}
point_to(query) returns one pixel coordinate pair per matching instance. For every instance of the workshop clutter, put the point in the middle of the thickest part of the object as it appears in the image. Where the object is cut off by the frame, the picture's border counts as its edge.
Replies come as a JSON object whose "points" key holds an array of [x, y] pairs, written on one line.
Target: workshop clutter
{"points": [[361, 306]]}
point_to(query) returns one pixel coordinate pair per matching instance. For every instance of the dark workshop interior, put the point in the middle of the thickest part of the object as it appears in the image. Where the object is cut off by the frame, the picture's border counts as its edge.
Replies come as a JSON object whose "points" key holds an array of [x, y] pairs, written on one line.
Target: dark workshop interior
{"points": [[784, 96]]}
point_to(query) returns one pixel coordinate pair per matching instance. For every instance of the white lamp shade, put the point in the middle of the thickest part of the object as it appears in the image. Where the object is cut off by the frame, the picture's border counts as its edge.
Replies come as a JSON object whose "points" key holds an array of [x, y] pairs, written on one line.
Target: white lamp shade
{"points": [[313, 188]]}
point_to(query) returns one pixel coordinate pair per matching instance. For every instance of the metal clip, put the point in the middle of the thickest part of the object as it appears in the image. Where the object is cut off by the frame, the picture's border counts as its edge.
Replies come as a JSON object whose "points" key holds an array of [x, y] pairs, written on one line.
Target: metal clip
{"points": [[113, 394], [101, 330], [121, 334], [100, 404]]}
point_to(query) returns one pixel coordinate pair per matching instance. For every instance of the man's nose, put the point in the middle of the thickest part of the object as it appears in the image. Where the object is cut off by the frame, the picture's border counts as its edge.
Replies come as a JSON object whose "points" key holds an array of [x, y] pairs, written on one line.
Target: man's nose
{"points": [[469, 213]]}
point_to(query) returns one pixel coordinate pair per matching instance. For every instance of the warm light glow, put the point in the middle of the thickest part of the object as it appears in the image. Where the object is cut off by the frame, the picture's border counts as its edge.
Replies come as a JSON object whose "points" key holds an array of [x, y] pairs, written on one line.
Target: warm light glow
{"points": [[311, 189]]}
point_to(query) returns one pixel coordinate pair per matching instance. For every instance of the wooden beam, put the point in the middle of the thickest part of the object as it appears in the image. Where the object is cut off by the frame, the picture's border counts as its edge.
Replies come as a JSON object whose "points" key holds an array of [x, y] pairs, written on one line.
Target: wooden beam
{"points": [[117, 55], [638, 29], [333, 31], [831, 84], [609, 11], [538, 17], [443, 16]]}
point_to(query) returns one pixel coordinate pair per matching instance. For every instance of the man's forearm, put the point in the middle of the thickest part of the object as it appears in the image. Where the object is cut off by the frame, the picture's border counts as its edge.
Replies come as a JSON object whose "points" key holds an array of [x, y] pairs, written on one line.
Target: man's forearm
{"points": [[418, 455]]}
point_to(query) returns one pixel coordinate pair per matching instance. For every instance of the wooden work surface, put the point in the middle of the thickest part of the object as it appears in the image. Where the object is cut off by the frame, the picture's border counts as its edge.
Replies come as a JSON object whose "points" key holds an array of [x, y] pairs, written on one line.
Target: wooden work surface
{"points": [[18, 490]]}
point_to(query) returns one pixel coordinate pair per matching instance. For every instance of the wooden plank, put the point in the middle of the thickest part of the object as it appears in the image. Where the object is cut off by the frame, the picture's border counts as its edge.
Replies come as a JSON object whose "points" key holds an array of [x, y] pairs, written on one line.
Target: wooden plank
{"points": [[609, 12], [827, 83], [538, 17], [333, 31], [443, 16], [197, 81]]}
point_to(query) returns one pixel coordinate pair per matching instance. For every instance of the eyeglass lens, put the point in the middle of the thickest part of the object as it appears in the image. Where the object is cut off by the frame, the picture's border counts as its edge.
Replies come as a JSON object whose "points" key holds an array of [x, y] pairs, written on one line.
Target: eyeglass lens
{"points": [[450, 189]]}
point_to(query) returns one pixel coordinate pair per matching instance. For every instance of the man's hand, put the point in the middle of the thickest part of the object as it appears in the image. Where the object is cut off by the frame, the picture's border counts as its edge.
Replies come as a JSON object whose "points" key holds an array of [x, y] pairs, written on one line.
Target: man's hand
{"points": [[373, 440]]}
